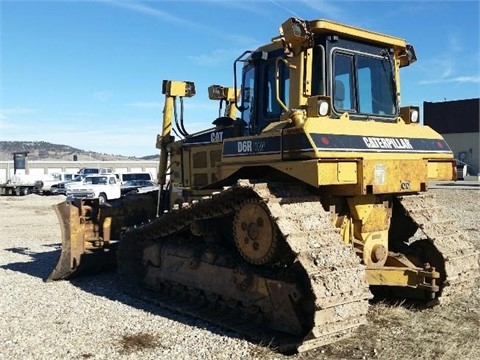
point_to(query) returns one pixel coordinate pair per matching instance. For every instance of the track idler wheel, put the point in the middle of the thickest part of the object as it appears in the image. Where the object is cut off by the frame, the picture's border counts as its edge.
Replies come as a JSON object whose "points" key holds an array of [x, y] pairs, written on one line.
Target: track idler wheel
{"points": [[255, 233]]}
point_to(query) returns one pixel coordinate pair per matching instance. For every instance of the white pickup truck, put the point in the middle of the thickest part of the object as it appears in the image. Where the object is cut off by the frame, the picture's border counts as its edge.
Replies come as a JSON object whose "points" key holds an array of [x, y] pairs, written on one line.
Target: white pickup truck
{"points": [[49, 185], [99, 186]]}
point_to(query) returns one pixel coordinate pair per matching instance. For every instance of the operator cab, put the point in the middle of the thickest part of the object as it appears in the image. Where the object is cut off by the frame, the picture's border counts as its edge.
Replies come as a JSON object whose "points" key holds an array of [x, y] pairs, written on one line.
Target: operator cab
{"points": [[259, 105], [357, 74]]}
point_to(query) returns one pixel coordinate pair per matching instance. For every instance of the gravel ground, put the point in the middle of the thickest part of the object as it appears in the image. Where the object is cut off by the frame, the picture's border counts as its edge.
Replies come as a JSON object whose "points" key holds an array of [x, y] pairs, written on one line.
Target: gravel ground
{"points": [[92, 318]]}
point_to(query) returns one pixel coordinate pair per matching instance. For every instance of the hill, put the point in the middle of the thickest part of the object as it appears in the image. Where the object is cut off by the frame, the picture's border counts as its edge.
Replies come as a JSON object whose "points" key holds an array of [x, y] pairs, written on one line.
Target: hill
{"points": [[42, 150]]}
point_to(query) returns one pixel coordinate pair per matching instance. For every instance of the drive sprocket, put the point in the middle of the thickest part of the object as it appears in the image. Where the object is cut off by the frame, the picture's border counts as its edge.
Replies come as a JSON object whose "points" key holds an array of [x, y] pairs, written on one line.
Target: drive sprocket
{"points": [[256, 236]]}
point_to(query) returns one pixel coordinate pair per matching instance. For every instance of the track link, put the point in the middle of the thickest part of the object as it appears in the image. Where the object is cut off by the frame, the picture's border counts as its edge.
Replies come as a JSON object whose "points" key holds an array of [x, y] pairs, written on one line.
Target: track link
{"points": [[460, 259], [331, 288]]}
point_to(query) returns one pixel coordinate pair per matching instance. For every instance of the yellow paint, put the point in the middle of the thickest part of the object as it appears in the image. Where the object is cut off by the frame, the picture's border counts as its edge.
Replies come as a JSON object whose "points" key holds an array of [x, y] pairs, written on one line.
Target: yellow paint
{"points": [[347, 172], [399, 276], [327, 26], [370, 216]]}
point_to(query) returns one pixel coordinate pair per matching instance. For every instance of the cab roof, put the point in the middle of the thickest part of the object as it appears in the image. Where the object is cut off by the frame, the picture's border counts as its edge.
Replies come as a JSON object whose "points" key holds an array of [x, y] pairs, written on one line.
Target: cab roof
{"points": [[328, 26]]}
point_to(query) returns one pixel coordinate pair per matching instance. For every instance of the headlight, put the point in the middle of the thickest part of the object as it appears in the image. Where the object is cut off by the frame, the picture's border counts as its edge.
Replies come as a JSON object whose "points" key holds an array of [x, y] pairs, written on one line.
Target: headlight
{"points": [[323, 108], [414, 116], [319, 105]]}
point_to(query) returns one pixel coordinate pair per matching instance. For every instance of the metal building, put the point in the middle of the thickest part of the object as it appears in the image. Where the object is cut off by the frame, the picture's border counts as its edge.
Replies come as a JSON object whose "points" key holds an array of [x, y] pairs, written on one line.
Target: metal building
{"points": [[458, 122]]}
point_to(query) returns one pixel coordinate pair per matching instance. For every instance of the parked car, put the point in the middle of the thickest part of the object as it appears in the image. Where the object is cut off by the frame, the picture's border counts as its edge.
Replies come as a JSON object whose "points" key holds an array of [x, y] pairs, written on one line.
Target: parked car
{"points": [[62, 186], [100, 186], [50, 185], [464, 170], [94, 170], [133, 175], [138, 186]]}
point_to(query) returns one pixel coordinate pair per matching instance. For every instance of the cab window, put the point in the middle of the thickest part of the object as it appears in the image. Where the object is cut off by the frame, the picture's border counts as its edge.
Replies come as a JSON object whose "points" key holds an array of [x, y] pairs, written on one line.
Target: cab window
{"points": [[318, 71], [343, 85], [273, 110], [248, 96], [363, 84], [375, 86]]}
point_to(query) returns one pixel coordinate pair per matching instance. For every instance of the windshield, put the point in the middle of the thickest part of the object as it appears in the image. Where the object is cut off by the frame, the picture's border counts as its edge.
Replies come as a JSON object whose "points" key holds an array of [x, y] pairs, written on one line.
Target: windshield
{"points": [[363, 84], [96, 180]]}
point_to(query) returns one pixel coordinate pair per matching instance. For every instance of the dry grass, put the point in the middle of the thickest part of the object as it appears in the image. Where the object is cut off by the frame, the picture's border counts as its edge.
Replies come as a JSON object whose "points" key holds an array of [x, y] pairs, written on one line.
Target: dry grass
{"points": [[262, 350], [135, 342], [397, 332]]}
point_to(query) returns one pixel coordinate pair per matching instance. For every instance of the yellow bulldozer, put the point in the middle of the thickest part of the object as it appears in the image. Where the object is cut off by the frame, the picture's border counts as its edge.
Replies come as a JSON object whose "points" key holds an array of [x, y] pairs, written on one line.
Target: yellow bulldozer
{"points": [[283, 222]]}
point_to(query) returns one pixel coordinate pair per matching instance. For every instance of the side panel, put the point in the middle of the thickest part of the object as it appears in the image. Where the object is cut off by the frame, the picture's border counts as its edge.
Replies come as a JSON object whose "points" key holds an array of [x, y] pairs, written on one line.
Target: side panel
{"points": [[203, 162], [357, 176], [264, 148], [393, 176]]}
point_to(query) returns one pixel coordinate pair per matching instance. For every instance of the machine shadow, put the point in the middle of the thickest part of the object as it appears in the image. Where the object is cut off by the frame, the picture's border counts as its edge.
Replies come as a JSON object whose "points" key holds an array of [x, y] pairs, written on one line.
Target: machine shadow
{"points": [[107, 284], [40, 264], [110, 286]]}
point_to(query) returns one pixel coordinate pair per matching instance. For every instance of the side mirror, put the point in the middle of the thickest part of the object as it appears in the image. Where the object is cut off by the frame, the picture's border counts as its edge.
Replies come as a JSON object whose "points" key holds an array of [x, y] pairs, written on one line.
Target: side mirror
{"points": [[407, 56]]}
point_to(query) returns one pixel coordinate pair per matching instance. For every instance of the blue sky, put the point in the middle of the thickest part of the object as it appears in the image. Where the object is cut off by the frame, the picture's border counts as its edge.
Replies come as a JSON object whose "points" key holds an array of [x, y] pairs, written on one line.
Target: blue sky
{"points": [[89, 73]]}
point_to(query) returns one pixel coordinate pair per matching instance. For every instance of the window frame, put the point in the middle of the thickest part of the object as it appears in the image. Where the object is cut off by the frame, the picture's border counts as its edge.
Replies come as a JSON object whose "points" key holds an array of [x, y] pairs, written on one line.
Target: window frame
{"points": [[355, 113]]}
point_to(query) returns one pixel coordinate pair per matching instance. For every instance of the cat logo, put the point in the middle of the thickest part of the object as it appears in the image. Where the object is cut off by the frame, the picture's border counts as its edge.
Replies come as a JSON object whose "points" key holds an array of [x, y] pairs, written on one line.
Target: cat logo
{"points": [[216, 137]]}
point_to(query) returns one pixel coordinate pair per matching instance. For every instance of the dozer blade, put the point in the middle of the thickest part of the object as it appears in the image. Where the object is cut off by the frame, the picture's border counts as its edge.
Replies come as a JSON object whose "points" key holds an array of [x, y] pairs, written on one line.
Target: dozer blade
{"points": [[85, 241], [90, 232]]}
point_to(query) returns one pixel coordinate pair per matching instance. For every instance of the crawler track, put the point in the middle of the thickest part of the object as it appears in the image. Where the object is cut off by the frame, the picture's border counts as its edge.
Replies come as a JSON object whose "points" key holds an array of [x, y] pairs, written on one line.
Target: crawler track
{"points": [[456, 258], [316, 297]]}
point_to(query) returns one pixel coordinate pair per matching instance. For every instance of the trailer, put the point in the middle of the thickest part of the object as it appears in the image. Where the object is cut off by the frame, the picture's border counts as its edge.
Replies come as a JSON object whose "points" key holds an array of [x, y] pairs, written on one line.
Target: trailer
{"points": [[18, 185]]}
